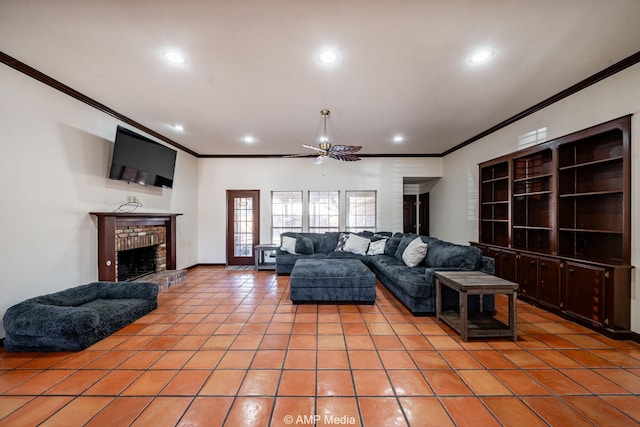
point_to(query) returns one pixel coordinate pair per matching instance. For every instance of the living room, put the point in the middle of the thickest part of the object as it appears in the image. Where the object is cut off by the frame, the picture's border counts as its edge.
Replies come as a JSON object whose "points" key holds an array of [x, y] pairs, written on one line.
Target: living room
{"points": [[57, 149]]}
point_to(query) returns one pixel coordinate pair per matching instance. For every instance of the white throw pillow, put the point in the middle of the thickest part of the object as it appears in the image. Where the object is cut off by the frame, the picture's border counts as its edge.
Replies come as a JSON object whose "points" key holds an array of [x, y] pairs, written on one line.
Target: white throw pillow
{"points": [[415, 252], [377, 247], [357, 244], [288, 244]]}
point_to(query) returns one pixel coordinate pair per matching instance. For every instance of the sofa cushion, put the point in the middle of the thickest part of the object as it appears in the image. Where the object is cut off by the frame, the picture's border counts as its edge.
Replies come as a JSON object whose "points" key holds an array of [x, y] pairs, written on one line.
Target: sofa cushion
{"points": [[443, 254], [411, 279], [415, 252], [392, 244], [329, 242], [304, 245]]}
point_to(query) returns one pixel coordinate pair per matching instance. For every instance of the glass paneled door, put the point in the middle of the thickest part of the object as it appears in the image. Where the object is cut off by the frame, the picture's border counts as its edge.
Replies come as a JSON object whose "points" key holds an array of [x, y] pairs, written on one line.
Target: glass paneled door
{"points": [[243, 225]]}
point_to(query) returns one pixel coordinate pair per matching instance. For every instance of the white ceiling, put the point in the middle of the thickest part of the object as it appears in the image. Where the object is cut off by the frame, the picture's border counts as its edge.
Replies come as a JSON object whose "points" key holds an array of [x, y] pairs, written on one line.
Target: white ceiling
{"points": [[252, 65]]}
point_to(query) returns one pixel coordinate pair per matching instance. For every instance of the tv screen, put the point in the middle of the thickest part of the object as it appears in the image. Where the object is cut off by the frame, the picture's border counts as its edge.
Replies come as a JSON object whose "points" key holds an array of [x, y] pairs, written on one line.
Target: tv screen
{"points": [[141, 160]]}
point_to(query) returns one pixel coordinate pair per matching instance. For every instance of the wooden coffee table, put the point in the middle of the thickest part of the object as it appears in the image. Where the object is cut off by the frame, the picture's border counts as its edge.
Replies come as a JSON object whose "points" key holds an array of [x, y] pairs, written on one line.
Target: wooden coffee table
{"points": [[476, 324]]}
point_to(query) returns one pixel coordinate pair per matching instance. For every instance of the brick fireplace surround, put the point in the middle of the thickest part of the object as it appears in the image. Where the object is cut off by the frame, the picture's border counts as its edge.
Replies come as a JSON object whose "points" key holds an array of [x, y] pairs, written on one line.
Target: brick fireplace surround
{"points": [[119, 231]]}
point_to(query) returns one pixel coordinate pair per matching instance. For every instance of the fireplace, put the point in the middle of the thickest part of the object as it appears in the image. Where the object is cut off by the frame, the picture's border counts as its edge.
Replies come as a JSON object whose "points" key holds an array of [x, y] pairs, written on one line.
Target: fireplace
{"points": [[121, 232], [135, 263]]}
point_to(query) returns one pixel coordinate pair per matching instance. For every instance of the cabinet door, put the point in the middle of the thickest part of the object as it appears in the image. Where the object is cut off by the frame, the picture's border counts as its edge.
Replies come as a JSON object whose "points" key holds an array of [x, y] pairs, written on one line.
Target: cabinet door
{"points": [[495, 254], [508, 265], [584, 291], [549, 282], [528, 276]]}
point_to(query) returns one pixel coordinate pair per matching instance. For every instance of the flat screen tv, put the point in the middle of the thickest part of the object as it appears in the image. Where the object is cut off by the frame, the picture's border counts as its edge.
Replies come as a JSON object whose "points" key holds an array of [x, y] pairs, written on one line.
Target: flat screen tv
{"points": [[141, 160]]}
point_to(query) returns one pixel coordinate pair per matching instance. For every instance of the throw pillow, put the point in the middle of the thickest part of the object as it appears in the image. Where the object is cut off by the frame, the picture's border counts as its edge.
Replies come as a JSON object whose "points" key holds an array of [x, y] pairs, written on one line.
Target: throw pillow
{"points": [[377, 247], [415, 252], [341, 242], [304, 245], [392, 244], [406, 239], [288, 244], [357, 245]]}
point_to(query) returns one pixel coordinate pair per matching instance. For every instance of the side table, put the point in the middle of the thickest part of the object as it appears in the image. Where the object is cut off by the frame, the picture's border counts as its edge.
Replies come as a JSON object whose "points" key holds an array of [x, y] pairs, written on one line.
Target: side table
{"points": [[259, 251], [476, 283]]}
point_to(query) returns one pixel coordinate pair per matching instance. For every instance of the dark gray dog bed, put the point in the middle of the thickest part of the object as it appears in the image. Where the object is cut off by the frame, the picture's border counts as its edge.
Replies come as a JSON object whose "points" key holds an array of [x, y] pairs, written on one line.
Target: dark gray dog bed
{"points": [[75, 318]]}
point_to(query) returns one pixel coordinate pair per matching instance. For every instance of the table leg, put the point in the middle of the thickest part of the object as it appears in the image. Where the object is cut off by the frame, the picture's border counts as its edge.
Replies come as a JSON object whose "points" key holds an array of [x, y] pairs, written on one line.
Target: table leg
{"points": [[438, 299], [256, 258], [513, 301], [464, 315]]}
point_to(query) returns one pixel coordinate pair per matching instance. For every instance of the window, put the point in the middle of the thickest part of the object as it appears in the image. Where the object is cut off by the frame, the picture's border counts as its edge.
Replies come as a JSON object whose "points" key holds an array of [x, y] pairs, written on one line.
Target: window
{"points": [[324, 211], [286, 213], [361, 210]]}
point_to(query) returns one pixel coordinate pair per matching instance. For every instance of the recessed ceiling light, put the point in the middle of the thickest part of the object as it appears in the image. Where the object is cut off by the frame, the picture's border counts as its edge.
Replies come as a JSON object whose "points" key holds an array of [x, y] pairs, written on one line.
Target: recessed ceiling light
{"points": [[481, 56], [248, 139], [178, 127], [328, 57], [398, 138], [174, 57]]}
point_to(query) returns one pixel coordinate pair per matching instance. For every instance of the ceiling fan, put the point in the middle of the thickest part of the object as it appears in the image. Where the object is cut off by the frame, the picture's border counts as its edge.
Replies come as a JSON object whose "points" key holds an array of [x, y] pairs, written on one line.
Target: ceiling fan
{"points": [[326, 150]]}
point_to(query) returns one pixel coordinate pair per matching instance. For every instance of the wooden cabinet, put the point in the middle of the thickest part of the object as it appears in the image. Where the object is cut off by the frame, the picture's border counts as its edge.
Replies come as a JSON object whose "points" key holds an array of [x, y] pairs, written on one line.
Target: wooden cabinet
{"points": [[533, 203], [528, 276], [549, 281], [508, 266], [584, 291], [494, 205], [556, 217]]}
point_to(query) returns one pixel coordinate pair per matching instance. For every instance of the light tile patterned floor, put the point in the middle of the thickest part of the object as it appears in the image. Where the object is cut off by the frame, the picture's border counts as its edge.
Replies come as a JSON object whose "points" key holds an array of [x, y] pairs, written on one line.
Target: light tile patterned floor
{"points": [[229, 348]]}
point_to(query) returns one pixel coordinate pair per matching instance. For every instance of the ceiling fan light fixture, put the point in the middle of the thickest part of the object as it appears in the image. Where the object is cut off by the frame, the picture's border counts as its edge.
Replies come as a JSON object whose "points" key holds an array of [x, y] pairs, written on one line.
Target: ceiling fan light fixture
{"points": [[328, 57], [174, 57], [481, 56], [325, 150]]}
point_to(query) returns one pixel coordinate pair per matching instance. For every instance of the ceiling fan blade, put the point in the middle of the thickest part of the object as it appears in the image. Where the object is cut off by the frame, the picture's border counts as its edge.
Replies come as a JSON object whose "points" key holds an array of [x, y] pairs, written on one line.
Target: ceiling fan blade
{"points": [[297, 155], [345, 157], [313, 147], [320, 159], [345, 148]]}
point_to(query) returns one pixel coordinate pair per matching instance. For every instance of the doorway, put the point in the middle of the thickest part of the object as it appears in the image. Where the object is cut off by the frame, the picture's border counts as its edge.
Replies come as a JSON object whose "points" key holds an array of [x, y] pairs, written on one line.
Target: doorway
{"points": [[243, 226], [423, 214], [409, 223], [415, 214]]}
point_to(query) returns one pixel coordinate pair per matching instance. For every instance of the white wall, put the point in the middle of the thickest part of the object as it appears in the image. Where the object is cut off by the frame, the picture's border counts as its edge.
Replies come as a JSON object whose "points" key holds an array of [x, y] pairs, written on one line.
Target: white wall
{"points": [[54, 158], [218, 175], [454, 213]]}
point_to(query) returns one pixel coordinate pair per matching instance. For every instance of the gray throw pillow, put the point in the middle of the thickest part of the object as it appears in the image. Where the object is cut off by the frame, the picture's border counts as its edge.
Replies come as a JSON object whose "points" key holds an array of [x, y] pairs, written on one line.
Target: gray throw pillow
{"points": [[392, 244], [304, 245]]}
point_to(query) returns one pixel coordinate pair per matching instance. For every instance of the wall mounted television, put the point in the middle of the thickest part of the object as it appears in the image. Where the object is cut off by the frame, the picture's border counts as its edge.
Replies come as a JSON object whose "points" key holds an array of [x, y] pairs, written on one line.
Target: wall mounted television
{"points": [[141, 160]]}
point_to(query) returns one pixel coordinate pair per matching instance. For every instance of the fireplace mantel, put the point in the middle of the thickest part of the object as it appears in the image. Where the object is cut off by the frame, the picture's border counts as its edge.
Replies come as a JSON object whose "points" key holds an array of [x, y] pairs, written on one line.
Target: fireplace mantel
{"points": [[107, 223]]}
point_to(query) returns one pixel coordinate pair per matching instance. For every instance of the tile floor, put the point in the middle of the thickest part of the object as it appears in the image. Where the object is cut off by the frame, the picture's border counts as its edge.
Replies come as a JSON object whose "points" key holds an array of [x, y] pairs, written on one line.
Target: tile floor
{"points": [[229, 348]]}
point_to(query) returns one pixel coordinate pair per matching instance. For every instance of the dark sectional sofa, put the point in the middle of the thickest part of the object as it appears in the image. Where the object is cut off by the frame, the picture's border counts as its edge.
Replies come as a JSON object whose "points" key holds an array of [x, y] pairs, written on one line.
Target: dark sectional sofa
{"points": [[75, 318], [413, 286]]}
